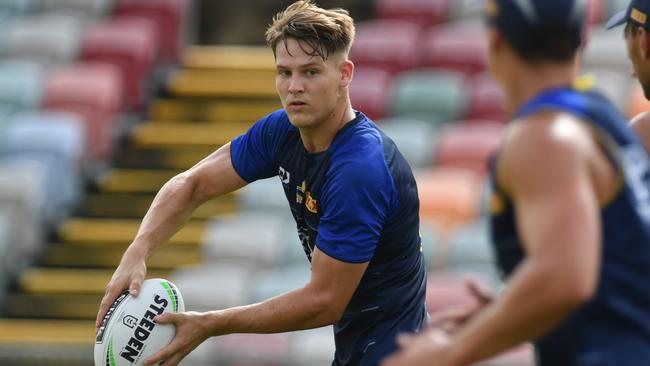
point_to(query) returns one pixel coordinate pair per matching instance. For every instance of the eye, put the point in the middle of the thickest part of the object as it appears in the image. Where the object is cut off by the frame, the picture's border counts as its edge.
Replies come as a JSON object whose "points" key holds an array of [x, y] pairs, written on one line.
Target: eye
{"points": [[312, 72], [283, 73]]}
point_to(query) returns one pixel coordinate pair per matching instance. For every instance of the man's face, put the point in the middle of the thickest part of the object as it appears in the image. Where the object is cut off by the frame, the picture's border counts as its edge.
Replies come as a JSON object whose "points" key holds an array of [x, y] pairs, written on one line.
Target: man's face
{"points": [[308, 86], [638, 55]]}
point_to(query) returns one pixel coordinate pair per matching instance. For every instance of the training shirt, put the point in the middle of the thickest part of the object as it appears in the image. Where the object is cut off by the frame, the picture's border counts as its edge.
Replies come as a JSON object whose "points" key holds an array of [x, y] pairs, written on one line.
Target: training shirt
{"points": [[613, 329], [357, 202]]}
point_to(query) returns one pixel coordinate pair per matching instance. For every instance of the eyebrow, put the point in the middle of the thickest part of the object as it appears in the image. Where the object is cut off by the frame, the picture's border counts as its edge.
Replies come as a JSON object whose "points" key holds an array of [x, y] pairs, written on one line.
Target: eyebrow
{"points": [[308, 65]]}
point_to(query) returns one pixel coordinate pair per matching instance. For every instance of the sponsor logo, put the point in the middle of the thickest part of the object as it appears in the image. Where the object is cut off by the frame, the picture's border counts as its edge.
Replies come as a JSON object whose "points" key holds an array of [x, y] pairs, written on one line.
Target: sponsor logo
{"points": [[130, 321], [109, 315], [135, 345], [311, 204], [639, 16], [284, 175], [300, 192]]}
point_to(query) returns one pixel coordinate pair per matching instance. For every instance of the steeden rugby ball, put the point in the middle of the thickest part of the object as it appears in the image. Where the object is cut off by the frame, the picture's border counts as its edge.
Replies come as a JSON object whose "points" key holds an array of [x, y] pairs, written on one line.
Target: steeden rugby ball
{"points": [[128, 334]]}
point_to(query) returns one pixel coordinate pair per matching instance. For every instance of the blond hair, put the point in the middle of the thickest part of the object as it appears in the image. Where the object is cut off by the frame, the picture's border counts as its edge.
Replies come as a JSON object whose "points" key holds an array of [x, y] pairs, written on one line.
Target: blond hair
{"points": [[324, 31]]}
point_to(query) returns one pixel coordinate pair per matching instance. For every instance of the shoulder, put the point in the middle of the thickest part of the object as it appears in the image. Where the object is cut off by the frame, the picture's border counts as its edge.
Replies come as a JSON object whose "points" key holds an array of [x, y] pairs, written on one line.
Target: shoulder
{"points": [[641, 125], [543, 146]]}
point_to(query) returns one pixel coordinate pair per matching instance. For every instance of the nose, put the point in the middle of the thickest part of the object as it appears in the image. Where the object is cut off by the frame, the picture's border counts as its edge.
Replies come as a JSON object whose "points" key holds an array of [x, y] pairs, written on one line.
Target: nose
{"points": [[296, 85]]}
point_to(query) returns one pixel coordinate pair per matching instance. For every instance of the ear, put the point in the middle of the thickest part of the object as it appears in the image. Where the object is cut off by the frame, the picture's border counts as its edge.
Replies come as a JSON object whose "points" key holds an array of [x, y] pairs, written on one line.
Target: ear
{"points": [[346, 68], [643, 39], [495, 39]]}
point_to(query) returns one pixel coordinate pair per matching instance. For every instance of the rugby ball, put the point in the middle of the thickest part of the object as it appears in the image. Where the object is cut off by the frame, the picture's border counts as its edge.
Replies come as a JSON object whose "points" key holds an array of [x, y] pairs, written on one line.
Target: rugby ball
{"points": [[128, 334]]}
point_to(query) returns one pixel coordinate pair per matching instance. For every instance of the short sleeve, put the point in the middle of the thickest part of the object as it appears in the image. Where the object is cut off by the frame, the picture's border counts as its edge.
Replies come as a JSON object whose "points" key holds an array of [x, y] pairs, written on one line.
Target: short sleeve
{"points": [[254, 154], [356, 204]]}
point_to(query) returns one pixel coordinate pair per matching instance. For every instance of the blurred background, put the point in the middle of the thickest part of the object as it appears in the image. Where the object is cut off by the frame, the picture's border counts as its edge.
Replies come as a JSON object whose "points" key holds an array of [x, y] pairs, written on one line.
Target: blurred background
{"points": [[102, 101]]}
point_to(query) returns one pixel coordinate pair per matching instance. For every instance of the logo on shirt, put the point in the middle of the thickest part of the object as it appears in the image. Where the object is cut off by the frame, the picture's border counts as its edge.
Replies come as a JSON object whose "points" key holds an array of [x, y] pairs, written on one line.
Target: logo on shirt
{"points": [[311, 204], [284, 175], [300, 192]]}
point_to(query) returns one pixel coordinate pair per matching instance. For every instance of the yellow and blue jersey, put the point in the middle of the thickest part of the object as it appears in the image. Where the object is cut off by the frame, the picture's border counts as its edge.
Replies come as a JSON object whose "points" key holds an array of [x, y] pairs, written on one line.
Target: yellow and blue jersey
{"points": [[357, 202], [614, 327]]}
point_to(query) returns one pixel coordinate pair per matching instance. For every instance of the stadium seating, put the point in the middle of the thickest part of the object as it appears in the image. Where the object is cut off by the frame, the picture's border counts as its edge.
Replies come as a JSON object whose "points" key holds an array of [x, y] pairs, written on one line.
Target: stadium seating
{"points": [[436, 97], [48, 39], [56, 140], [415, 139], [12, 8], [486, 100], [369, 91], [21, 84], [375, 44], [454, 47], [166, 15], [449, 197], [424, 12], [131, 46], [468, 145], [606, 50], [84, 10], [93, 91]]}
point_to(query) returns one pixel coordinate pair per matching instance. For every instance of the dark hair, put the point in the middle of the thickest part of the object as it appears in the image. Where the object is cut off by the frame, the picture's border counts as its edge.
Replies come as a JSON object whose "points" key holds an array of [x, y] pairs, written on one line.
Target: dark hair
{"points": [[323, 31], [631, 28]]}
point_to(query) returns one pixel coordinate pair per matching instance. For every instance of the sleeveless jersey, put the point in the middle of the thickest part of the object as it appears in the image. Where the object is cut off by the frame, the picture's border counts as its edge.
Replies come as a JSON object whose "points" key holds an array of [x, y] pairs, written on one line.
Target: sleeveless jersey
{"points": [[613, 328]]}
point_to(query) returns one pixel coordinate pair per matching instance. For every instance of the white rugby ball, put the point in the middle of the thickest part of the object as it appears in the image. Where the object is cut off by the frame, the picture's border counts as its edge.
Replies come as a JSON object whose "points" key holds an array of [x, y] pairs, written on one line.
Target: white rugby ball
{"points": [[128, 335]]}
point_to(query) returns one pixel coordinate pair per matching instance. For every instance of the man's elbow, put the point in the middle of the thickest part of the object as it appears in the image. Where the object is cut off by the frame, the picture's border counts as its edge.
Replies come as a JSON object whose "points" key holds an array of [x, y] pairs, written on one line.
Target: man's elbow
{"points": [[577, 292]]}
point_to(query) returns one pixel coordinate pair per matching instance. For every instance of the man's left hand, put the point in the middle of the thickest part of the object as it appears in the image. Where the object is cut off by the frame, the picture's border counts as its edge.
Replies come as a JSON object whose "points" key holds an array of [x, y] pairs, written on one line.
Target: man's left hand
{"points": [[190, 332], [430, 347]]}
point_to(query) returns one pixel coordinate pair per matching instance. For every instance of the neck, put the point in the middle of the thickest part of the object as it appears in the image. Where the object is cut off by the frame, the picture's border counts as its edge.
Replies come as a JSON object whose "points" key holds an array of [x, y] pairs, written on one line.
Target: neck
{"points": [[526, 81], [318, 139]]}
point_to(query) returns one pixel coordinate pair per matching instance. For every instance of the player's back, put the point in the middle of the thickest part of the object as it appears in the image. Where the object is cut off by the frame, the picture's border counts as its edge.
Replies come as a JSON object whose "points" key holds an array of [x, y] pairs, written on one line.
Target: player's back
{"points": [[614, 327]]}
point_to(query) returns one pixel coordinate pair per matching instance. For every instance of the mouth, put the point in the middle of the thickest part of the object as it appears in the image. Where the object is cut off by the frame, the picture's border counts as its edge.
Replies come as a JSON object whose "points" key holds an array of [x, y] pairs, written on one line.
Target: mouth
{"points": [[296, 104]]}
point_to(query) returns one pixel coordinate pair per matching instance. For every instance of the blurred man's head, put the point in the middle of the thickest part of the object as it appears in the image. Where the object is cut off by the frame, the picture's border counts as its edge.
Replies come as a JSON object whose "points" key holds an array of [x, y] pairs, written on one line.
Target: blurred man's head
{"points": [[536, 31], [637, 26]]}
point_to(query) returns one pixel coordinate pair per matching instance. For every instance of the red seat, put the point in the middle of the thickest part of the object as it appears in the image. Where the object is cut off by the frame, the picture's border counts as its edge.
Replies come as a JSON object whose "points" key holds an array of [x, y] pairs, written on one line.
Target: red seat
{"points": [[455, 48], [167, 15], [486, 99], [93, 91], [391, 45], [469, 145], [129, 44], [595, 11], [369, 91], [424, 12]]}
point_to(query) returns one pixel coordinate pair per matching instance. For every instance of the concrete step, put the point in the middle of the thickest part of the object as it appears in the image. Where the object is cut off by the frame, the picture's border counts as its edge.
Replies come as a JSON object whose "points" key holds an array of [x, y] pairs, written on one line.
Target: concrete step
{"points": [[52, 306], [108, 256], [68, 281], [135, 180], [117, 205], [178, 134], [212, 110], [220, 83], [100, 231], [229, 58]]}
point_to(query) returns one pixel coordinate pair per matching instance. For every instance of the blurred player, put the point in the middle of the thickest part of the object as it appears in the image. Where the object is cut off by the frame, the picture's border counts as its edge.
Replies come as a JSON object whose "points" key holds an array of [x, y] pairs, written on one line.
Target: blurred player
{"points": [[570, 211], [637, 37], [351, 192]]}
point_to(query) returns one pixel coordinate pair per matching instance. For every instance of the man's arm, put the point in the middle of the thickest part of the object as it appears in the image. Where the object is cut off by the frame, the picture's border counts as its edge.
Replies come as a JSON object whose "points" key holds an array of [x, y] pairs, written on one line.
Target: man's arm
{"points": [[547, 169], [321, 302], [170, 209], [641, 124]]}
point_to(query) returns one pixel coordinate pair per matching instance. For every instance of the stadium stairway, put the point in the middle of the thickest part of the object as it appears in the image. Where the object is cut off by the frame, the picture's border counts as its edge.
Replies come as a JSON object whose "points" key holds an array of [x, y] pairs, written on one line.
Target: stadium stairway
{"points": [[48, 315]]}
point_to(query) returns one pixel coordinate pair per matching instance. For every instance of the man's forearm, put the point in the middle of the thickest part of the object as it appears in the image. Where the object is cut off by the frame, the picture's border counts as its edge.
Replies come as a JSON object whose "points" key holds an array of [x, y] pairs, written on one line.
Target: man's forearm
{"points": [[169, 211], [295, 310], [531, 305]]}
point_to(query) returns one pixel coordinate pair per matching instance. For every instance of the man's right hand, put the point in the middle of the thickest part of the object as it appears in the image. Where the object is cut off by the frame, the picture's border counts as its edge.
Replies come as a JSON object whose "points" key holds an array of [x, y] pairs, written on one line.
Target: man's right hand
{"points": [[452, 319], [129, 274]]}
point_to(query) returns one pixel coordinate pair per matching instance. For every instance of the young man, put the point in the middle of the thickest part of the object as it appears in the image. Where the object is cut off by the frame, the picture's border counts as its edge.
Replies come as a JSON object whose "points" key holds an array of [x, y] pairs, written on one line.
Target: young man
{"points": [[351, 192], [570, 211], [637, 37]]}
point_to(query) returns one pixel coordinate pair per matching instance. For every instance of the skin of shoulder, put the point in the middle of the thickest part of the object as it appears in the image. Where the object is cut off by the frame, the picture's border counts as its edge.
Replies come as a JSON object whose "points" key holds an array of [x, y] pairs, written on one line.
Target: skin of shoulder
{"points": [[641, 124]]}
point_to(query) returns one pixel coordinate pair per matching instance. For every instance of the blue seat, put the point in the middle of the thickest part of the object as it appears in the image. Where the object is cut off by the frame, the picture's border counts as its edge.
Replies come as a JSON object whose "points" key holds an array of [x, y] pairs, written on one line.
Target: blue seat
{"points": [[21, 84], [12, 8], [55, 139], [433, 96]]}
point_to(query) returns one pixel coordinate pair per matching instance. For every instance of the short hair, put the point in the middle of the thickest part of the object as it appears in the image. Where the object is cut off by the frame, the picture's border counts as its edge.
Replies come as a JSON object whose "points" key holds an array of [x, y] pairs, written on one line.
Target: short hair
{"points": [[631, 28], [323, 31]]}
